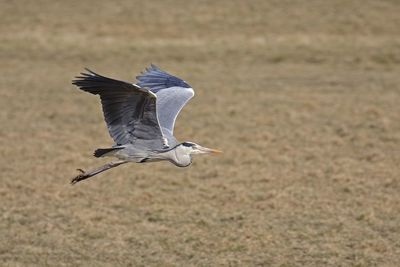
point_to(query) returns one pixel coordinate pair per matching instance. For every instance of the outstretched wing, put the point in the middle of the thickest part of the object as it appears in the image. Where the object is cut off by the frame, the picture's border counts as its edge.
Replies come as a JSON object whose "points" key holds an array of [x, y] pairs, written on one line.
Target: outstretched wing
{"points": [[172, 94], [129, 110]]}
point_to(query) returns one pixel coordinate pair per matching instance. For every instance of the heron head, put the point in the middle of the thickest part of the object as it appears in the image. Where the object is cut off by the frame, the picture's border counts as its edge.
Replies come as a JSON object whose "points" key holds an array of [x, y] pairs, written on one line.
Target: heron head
{"points": [[194, 148]]}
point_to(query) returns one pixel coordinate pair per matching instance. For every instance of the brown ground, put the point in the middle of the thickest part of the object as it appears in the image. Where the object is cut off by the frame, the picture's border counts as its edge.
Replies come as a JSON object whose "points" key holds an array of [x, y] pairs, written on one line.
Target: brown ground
{"points": [[302, 96]]}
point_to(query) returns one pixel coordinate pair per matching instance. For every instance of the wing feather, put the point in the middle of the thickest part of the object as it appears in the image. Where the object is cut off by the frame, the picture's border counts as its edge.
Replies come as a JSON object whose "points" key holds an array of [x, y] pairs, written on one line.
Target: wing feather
{"points": [[172, 94], [129, 110]]}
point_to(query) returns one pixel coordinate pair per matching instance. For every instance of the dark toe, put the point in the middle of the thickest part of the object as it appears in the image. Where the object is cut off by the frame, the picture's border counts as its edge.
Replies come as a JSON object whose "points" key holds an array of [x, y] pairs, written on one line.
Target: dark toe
{"points": [[79, 177]]}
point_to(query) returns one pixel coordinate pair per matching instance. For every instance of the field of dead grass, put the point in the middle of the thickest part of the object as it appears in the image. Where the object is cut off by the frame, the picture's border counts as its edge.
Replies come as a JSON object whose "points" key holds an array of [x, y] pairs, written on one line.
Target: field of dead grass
{"points": [[302, 97]]}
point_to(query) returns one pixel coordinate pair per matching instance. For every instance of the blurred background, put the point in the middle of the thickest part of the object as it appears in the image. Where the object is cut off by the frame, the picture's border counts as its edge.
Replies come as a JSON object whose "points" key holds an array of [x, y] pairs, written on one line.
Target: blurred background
{"points": [[302, 97]]}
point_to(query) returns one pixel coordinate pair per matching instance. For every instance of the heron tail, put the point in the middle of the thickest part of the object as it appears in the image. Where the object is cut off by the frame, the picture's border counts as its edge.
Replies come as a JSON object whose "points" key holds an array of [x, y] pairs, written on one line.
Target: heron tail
{"points": [[100, 152]]}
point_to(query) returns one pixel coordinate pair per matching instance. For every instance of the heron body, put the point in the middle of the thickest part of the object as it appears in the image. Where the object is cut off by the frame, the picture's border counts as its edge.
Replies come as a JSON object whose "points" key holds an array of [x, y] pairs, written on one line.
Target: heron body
{"points": [[178, 155], [140, 118]]}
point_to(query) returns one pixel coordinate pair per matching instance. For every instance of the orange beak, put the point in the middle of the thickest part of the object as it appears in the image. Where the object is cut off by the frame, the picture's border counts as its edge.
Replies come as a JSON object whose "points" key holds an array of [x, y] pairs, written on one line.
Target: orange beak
{"points": [[204, 150]]}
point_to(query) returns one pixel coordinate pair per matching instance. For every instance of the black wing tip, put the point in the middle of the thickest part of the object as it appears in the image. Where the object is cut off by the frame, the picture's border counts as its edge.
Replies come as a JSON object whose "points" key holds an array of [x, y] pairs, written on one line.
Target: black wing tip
{"points": [[157, 79], [91, 73], [154, 66], [150, 68], [94, 83], [88, 76], [83, 76]]}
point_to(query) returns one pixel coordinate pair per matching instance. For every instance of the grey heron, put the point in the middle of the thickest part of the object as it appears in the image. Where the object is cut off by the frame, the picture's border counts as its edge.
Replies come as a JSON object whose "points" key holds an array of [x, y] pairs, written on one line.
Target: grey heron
{"points": [[140, 118]]}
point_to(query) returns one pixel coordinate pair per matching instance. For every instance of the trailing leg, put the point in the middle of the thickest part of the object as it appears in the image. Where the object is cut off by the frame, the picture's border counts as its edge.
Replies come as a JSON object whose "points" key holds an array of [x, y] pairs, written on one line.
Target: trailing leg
{"points": [[85, 175]]}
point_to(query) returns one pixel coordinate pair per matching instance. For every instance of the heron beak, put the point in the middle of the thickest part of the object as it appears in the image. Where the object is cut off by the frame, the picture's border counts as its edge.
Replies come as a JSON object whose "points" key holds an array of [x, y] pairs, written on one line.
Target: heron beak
{"points": [[205, 150]]}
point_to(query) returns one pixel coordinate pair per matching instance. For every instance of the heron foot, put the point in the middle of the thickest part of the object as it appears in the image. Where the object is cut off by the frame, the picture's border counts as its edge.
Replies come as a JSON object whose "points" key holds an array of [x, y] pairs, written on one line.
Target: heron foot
{"points": [[82, 176]]}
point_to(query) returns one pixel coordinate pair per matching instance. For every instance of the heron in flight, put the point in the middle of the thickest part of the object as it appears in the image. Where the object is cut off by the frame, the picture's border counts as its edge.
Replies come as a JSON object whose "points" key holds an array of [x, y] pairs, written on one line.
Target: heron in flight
{"points": [[140, 118]]}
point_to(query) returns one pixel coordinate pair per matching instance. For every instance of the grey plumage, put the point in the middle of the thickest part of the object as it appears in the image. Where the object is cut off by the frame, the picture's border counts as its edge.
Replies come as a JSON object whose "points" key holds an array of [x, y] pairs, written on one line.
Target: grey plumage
{"points": [[141, 118], [156, 79], [172, 94], [129, 110]]}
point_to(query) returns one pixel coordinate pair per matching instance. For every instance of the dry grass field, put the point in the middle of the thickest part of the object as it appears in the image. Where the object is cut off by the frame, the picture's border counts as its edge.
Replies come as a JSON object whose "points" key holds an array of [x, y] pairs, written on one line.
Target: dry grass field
{"points": [[303, 97]]}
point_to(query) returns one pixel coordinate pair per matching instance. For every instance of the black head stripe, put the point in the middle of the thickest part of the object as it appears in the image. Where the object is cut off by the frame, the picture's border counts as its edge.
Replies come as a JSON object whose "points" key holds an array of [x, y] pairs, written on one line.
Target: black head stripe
{"points": [[187, 144]]}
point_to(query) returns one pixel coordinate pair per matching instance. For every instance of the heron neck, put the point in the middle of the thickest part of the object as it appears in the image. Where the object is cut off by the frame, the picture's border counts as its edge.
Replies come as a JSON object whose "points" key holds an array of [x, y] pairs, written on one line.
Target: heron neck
{"points": [[180, 157]]}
